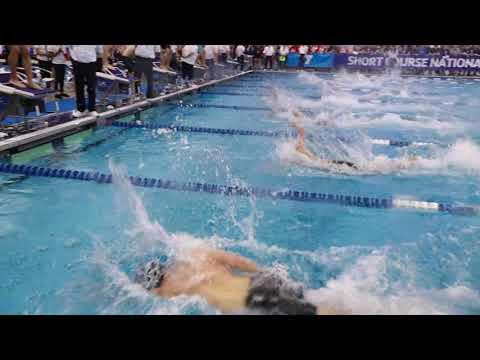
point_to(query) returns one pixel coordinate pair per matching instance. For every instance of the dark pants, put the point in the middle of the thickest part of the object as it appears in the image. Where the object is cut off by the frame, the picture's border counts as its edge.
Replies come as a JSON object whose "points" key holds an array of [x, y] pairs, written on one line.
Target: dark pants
{"points": [[223, 58], [241, 61], [211, 68], [144, 66], [268, 62], [59, 76], [128, 62], [99, 66], [85, 73], [301, 61], [45, 65], [187, 71]]}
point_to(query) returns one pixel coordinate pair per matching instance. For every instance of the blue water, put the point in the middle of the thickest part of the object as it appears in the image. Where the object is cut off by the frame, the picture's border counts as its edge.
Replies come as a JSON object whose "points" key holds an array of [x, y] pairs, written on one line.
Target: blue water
{"points": [[70, 247]]}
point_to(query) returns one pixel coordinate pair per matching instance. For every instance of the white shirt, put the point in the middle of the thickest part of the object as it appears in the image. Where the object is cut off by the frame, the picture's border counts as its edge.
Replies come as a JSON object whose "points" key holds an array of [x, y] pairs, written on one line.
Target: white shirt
{"points": [[189, 54], [303, 49], [223, 49], [41, 52], [210, 52], [239, 50], [85, 53], [60, 57], [269, 50], [147, 51], [284, 50]]}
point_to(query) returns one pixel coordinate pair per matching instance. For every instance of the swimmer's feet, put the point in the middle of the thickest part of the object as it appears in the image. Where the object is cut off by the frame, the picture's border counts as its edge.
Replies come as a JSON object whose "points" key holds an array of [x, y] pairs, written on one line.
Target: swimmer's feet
{"points": [[34, 86], [18, 83]]}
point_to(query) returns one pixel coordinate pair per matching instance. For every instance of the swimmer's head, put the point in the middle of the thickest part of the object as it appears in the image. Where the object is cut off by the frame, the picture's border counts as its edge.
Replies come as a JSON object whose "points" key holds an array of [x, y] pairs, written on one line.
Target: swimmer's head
{"points": [[151, 275]]}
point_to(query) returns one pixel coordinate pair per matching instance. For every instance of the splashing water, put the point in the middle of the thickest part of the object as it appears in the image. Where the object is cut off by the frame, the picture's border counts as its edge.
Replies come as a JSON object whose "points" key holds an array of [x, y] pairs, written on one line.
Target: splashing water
{"points": [[366, 288]]}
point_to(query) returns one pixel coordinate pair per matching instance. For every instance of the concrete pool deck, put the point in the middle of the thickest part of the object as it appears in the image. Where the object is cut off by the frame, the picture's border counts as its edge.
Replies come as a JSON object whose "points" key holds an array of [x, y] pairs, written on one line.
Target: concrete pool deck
{"points": [[42, 136]]}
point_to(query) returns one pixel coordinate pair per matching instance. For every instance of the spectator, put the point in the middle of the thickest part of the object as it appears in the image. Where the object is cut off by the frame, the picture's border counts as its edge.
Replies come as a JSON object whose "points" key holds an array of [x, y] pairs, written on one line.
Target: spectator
{"points": [[59, 62], [257, 56], [239, 53], [189, 57], [223, 51], [144, 57], [44, 61], [302, 50], [201, 56], [282, 59], [210, 60], [19, 55], [84, 61], [268, 51], [165, 57]]}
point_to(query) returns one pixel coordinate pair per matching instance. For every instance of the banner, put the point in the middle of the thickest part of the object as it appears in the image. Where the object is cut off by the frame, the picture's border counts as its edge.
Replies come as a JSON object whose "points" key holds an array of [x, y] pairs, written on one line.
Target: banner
{"points": [[319, 61], [311, 61], [360, 61], [428, 62]]}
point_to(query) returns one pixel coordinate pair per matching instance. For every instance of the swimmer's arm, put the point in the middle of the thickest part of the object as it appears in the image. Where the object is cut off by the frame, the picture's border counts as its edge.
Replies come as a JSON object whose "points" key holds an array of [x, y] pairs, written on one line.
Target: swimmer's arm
{"points": [[234, 261]]}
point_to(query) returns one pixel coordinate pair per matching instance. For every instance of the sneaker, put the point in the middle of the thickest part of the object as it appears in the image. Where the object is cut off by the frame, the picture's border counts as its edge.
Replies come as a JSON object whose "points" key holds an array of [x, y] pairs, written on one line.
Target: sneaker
{"points": [[58, 96], [77, 114], [64, 95], [93, 113]]}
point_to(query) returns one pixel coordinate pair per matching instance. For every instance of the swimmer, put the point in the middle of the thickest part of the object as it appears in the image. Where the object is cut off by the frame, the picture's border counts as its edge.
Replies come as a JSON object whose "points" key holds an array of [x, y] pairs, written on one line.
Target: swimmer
{"points": [[17, 52], [301, 148], [229, 282]]}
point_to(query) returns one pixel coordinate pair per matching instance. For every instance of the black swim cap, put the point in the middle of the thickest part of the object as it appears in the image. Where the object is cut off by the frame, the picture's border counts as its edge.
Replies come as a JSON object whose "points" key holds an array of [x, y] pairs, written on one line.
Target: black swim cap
{"points": [[151, 275]]}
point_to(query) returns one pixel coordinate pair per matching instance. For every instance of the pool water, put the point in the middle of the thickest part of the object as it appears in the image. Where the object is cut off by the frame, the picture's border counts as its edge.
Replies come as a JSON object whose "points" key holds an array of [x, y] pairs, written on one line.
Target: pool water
{"points": [[70, 247]]}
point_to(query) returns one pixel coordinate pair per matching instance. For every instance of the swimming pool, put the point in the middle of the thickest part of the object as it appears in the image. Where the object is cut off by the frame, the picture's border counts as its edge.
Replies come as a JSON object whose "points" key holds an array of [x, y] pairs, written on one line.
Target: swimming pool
{"points": [[70, 247]]}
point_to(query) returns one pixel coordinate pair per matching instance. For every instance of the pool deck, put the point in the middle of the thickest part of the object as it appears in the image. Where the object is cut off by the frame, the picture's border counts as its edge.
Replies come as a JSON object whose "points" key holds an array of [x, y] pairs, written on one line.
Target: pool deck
{"points": [[28, 141]]}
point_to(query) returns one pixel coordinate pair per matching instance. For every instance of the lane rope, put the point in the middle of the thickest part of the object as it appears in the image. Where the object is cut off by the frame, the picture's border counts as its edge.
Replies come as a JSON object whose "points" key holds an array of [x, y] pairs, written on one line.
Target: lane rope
{"points": [[264, 133], [294, 195]]}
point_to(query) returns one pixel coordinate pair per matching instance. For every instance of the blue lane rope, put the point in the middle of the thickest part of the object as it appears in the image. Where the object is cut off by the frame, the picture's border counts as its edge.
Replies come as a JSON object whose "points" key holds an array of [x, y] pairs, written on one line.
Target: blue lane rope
{"points": [[347, 200], [243, 86], [232, 93], [264, 133], [218, 106]]}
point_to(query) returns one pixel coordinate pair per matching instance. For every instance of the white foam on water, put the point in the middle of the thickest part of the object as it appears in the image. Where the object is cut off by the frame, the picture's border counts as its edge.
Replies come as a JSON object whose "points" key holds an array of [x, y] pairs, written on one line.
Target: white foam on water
{"points": [[461, 158], [366, 288]]}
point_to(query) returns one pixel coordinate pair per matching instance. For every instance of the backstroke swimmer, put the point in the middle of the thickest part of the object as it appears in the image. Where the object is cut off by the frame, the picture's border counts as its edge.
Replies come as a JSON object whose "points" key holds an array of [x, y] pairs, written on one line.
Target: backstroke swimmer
{"points": [[229, 282], [301, 148]]}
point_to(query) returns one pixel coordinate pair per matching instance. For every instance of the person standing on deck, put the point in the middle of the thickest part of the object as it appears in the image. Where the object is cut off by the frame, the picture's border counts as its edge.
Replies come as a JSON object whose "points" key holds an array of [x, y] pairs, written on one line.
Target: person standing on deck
{"points": [[144, 57], [189, 57], [268, 51], [239, 53], [282, 59], [59, 63], [84, 62], [19, 54], [210, 60], [302, 50], [44, 60]]}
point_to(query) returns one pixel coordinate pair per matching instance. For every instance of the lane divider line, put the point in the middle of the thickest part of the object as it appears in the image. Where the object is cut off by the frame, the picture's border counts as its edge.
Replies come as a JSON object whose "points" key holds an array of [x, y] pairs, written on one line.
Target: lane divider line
{"points": [[294, 195]]}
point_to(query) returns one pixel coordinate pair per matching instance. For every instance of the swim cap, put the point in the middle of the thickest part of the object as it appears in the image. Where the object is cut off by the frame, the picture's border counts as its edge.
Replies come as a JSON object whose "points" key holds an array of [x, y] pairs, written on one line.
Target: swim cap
{"points": [[151, 275]]}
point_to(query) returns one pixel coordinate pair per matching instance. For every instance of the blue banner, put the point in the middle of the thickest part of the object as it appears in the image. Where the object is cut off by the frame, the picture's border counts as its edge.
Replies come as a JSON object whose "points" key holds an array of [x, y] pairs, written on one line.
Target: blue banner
{"points": [[311, 61], [293, 60], [319, 61], [428, 62], [360, 61]]}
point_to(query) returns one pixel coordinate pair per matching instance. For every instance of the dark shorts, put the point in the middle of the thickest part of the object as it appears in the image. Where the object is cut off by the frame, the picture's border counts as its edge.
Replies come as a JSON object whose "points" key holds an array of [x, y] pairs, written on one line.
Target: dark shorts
{"points": [[342, 162], [270, 294]]}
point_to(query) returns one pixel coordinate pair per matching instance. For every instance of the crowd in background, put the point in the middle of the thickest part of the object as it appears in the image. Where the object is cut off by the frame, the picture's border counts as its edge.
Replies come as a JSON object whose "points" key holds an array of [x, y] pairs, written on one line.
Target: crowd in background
{"points": [[86, 60]]}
